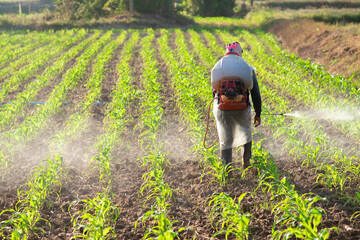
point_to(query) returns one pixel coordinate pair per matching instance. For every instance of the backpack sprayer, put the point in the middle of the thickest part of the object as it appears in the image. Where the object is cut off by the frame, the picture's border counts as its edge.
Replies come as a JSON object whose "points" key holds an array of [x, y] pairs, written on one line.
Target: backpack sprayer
{"points": [[233, 95]]}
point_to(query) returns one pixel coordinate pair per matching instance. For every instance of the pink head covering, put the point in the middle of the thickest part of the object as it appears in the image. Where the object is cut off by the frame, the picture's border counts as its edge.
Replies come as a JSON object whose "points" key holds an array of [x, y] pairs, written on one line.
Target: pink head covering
{"points": [[234, 48]]}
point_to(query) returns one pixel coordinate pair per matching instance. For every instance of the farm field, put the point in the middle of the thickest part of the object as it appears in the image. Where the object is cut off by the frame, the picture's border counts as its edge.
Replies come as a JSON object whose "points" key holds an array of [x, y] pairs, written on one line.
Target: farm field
{"points": [[102, 137]]}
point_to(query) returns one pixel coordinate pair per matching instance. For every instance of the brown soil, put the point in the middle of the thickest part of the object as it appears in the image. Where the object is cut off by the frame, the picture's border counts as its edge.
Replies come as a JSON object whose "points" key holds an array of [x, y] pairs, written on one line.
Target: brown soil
{"points": [[329, 45]]}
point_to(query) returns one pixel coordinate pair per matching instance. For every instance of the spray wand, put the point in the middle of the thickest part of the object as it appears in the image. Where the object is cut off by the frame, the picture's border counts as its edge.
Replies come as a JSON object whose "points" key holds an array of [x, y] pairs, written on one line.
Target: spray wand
{"points": [[274, 114], [295, 114]]}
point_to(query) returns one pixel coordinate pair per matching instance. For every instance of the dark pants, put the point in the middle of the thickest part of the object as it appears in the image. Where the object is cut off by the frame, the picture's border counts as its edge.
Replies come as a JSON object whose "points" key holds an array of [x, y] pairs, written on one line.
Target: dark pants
{"points": [[226, 155]]}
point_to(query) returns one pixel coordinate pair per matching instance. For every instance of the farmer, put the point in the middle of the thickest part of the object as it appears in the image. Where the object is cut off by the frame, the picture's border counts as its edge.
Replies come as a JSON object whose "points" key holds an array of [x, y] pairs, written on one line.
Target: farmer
{"points": [[235, 126]]}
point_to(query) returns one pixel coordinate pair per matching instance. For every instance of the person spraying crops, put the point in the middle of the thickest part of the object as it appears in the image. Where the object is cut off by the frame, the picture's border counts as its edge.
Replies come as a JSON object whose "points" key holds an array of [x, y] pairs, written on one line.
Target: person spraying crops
{"points": [[233, 81]]}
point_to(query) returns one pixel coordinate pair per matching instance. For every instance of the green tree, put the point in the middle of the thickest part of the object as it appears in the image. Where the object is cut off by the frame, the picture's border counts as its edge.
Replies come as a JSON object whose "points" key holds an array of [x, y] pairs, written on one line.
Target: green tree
{"points": [[77, 9], [162, 7], [208, 8]]}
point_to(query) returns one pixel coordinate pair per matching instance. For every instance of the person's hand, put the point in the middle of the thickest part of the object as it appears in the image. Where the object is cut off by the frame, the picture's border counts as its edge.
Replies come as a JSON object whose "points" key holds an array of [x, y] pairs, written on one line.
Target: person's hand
{"points": [[257, 121]]}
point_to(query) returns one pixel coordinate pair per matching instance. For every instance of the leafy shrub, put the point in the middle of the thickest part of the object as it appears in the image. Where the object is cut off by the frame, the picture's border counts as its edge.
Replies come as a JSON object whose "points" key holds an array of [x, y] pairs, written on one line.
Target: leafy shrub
{"points": [[208, 8]]}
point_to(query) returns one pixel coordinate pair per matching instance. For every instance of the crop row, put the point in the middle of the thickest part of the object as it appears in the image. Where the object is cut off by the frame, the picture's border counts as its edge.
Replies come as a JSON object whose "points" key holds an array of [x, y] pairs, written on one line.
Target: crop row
{"points": [[97, 212], [41, 58], [28, 211], [22, 46], [10, 111], [156, 190], [36, 56], [36, 122]]}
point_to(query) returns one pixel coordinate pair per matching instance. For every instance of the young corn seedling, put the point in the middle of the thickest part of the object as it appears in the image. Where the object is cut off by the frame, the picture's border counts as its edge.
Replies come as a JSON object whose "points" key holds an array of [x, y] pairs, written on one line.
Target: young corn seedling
{"points": [[26, 213], [228, 215], [299, 217], [332, 177], [219, 171], [97, 219]]}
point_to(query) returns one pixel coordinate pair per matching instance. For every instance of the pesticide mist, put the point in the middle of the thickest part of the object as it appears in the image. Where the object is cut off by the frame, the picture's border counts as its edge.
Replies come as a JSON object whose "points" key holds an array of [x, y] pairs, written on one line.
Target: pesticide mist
{"points": [[327, 114]]}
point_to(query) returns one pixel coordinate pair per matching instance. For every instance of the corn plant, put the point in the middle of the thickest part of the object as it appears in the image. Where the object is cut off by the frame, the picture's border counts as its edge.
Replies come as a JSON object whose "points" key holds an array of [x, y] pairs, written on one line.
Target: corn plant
{"points": [[26, 213], [229, 216], [332, 176], [297, 214], [97, 219], [220, 172]]}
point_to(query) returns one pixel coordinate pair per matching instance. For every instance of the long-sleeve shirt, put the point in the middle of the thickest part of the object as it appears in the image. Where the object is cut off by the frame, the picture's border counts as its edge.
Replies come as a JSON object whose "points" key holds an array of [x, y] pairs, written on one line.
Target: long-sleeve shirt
{"points": [[255, 96]]}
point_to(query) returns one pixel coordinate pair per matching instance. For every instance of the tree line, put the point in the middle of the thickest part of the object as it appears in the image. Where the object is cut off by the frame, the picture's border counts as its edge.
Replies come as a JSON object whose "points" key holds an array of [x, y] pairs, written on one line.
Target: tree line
{"points": [[79, 9]]}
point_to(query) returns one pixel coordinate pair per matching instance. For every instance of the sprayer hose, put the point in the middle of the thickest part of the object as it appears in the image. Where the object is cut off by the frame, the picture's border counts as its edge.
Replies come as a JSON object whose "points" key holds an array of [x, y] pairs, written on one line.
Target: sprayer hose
{"points": [[207, 126]]}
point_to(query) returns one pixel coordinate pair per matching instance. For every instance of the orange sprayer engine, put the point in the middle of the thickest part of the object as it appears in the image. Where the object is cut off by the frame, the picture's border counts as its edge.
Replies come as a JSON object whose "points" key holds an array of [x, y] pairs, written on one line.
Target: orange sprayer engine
{"points": [[232, 95]]}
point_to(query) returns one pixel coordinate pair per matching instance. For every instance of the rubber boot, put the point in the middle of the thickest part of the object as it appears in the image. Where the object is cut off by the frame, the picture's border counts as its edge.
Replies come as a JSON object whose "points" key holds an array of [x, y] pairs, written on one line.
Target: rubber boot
{"points": [[247, 155], [226, 157]]}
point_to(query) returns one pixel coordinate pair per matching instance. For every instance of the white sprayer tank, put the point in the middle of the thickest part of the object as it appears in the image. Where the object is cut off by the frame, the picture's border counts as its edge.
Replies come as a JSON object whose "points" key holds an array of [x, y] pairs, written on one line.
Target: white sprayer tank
{"points": [[232, 67]]}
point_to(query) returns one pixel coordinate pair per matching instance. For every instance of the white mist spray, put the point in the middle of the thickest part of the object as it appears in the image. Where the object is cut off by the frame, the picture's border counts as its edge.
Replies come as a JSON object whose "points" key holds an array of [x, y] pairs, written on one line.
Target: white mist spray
{"points": [[327, 114]]}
